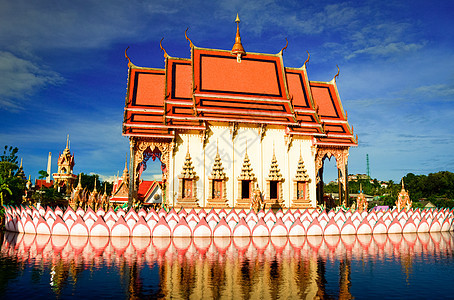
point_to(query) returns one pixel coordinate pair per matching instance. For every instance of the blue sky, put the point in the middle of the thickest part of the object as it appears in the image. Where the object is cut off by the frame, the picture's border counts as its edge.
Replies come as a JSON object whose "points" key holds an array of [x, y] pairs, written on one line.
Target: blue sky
{"points": [[63, 71]]}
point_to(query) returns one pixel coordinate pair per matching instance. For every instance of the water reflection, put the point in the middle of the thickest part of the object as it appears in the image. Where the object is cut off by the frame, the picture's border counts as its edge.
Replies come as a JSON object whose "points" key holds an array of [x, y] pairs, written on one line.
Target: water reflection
{"points": [[257, 267]]}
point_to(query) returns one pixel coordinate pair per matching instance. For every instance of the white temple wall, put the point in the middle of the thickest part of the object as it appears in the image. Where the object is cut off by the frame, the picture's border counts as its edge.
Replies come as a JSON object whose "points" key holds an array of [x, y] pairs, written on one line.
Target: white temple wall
{"points": [[232, 154]]}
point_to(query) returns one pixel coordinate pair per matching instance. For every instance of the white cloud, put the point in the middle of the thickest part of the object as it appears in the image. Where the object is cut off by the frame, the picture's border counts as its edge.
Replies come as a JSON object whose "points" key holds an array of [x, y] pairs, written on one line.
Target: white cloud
{"points": [[21, 78], [435, 90], [386, 49]]}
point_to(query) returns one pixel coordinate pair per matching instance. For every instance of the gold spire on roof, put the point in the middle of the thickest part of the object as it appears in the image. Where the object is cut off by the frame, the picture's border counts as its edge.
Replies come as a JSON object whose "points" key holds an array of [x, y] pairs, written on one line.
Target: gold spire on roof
{"points": [[125, 177], [79, 186], [238, 49], [95, 190]]}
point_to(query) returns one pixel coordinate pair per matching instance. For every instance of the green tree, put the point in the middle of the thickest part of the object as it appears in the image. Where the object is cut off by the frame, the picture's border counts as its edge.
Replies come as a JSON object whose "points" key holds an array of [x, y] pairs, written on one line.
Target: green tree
{"points": [[9, 154], [42, 174], [13, 185], [88, 181]]}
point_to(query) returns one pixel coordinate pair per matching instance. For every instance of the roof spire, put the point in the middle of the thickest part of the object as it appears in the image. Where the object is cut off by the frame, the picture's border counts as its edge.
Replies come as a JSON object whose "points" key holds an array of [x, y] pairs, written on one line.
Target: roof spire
{"points": [[127, 57], [338, 71], [79, 185], [186, 35], [162, 49], [67, 141], [285, 47], [238, 47], [307, 60]]}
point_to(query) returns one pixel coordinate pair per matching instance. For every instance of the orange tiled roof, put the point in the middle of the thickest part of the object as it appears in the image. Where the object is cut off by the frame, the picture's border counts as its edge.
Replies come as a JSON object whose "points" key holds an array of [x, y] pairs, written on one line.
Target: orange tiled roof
{"points": [[213, 86], [42, 182]]}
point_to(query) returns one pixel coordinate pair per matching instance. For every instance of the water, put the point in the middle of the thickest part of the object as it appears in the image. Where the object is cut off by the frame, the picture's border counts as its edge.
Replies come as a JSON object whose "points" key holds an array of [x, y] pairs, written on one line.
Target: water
{"points": [[416, 266]]}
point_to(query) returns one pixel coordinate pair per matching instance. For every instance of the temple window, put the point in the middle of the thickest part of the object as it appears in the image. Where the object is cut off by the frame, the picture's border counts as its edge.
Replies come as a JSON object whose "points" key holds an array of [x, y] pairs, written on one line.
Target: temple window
{"points": [[274, 189], [301, 187], [187, 196], [217, 194], [274, 182], [187, 188], [245, 184], [217, 189], [245, 189]]}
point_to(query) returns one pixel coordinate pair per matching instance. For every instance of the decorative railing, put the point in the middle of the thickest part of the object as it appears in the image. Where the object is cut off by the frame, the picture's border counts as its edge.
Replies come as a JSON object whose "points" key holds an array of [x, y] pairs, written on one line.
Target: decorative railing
{"points": [[218, 223]]}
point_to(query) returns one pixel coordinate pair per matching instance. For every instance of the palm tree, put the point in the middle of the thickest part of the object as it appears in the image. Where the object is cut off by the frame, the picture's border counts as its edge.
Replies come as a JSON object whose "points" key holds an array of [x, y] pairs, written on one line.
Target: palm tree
{"points": [[42, 174]]}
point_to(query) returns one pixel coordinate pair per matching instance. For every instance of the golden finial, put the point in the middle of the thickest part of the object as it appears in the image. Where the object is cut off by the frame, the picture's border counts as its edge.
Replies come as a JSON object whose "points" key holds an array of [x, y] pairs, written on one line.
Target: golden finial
{"points": [[162, 49], [307, 60], [338, 71], [285, 47], [126, 55], [238, 49], [79, 186], [67, 141], [126, 162], [190, 42]]}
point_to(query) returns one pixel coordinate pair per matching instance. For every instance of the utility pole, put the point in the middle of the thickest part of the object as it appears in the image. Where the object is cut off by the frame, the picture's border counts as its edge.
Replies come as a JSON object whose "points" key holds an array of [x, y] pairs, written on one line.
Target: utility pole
{"points": [[368, 169]]}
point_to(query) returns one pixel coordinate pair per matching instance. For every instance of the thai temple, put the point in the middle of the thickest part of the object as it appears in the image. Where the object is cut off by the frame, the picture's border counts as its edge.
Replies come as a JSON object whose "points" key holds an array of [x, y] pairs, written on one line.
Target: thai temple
{"points": [[65, 176], [241, 140], [149, 191], [231, 125]]}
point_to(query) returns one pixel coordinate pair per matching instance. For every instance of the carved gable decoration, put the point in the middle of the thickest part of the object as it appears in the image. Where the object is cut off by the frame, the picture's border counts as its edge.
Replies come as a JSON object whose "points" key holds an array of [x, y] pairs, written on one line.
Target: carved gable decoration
{"points": [[275, 172], [301, 172], [246, 170], [188, 169], [218, 169]]}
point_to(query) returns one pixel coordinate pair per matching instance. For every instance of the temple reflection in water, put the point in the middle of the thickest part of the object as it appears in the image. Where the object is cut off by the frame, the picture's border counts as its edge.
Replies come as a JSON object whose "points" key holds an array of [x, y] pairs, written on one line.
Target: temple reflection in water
{"points": [[258, 267]]}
